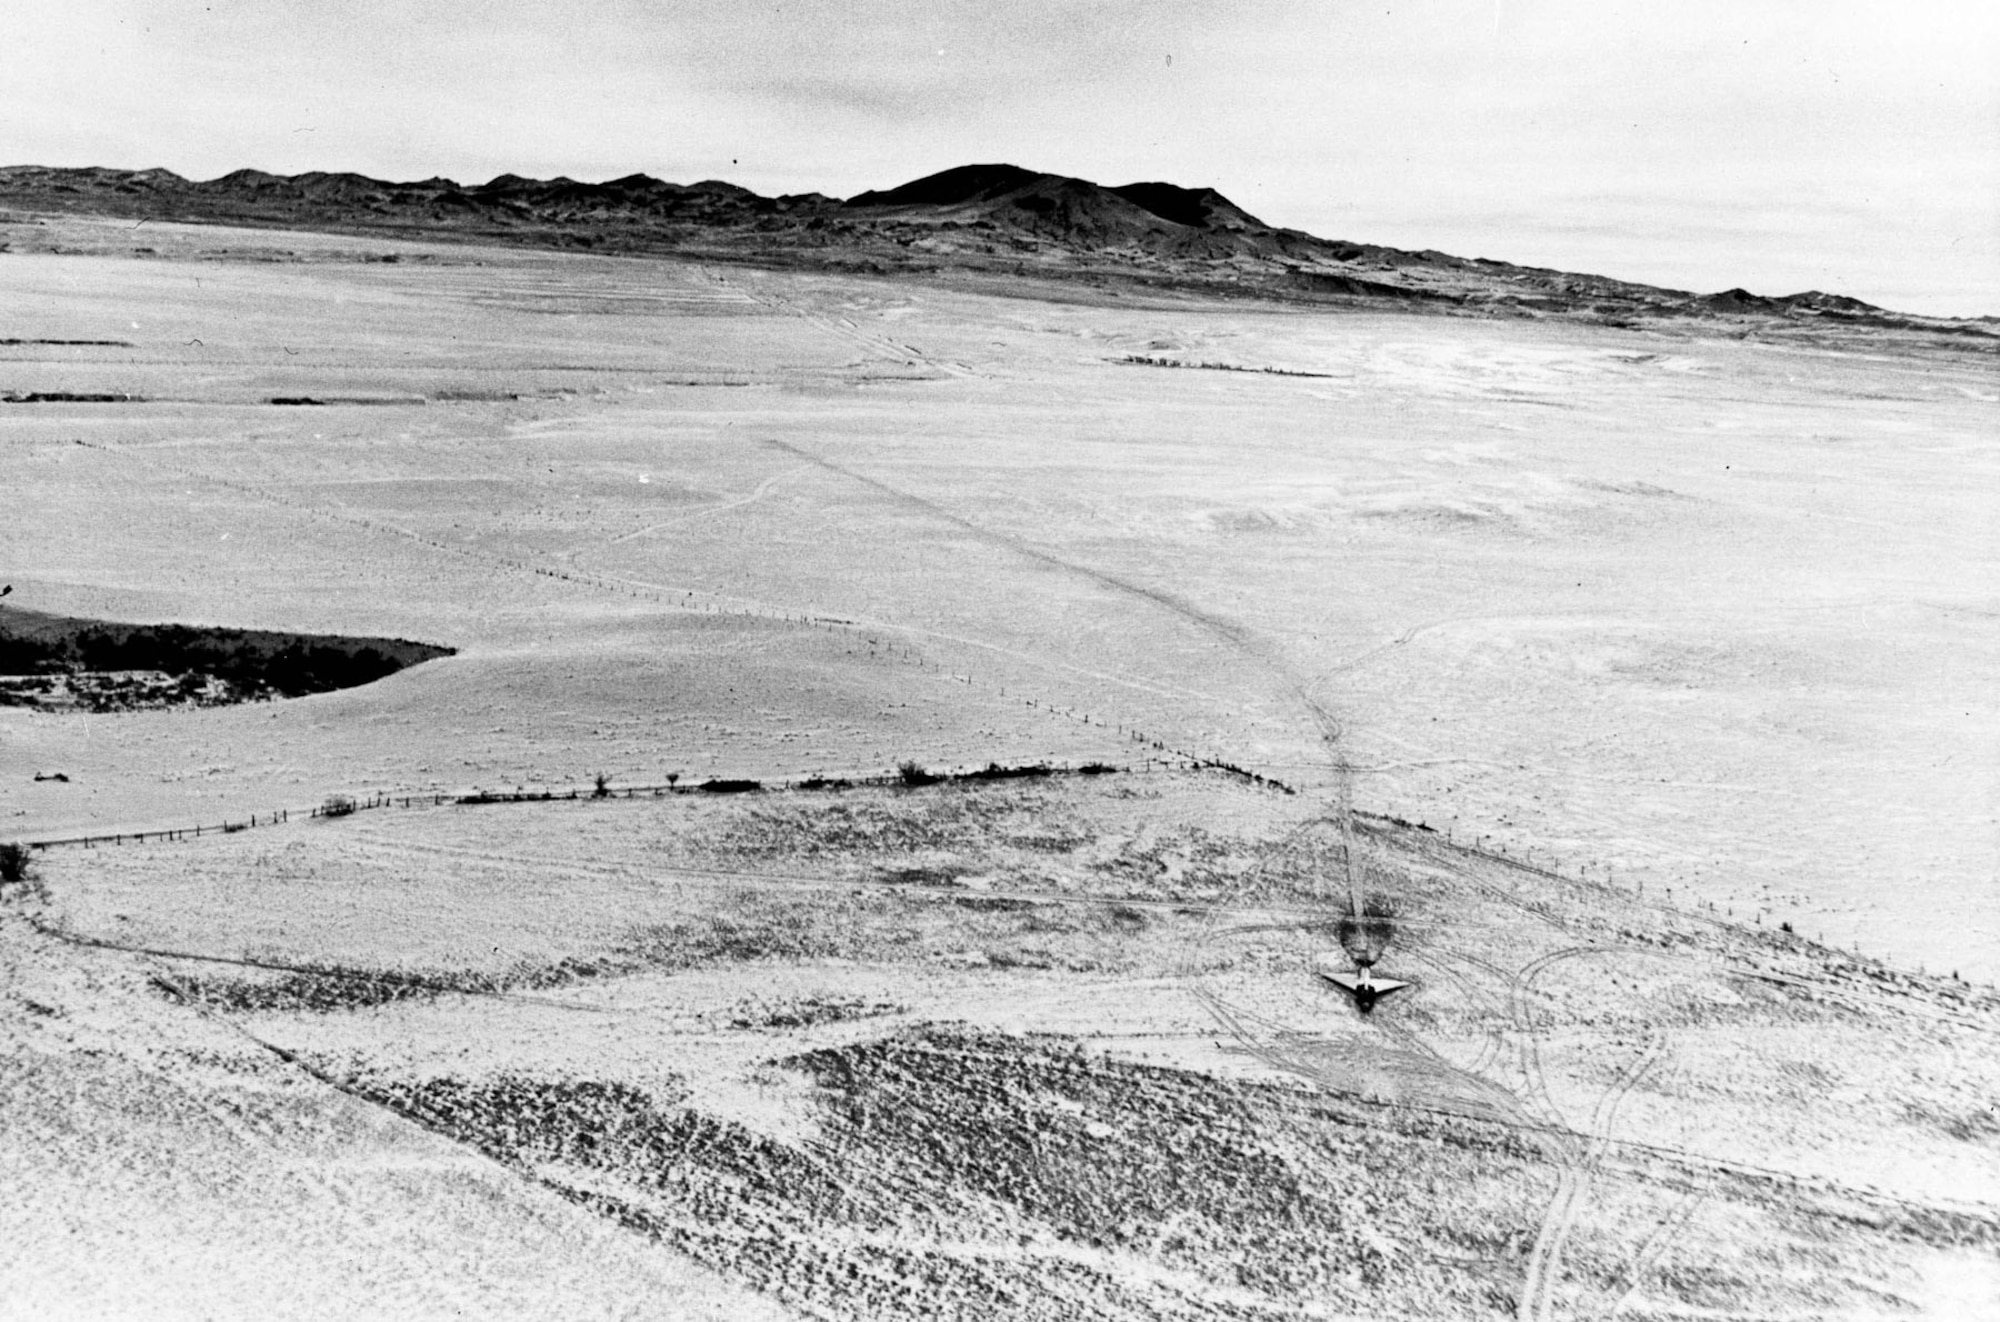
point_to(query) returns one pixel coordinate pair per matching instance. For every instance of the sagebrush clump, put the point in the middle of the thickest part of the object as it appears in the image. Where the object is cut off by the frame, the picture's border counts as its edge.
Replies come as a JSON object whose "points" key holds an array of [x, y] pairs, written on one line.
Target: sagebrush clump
{"points": [[17, 864]]}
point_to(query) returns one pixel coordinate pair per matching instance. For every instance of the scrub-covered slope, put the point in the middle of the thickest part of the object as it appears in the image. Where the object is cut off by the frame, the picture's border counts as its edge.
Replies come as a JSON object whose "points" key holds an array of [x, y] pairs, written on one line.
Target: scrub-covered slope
{"points": [[997, 218]]}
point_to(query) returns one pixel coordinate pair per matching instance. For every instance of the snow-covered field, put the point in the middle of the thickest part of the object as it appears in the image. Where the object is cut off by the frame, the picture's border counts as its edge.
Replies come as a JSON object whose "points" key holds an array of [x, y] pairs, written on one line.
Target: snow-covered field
{"points": [[1711, 615], [1628, 649]]}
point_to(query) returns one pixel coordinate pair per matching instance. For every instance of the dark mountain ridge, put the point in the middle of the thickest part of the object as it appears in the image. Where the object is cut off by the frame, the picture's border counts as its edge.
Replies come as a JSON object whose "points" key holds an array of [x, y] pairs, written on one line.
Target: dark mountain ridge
{"points": [[1152, 217], [997, 219]]}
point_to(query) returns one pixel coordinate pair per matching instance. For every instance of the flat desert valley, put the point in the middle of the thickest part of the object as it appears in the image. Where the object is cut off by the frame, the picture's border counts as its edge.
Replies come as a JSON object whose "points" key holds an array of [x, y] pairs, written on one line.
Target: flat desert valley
{"points": [[1639, 685]]}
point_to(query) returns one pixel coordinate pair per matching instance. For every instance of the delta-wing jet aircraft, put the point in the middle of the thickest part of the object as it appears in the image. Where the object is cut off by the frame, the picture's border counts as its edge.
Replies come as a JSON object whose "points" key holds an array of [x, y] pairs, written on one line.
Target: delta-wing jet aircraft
{"points": [[1363, 986]]}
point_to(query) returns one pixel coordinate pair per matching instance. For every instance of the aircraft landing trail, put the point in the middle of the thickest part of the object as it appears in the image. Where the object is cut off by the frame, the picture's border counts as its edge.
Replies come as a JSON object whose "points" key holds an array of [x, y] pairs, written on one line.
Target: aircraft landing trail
{"points": [[1228, 631]]}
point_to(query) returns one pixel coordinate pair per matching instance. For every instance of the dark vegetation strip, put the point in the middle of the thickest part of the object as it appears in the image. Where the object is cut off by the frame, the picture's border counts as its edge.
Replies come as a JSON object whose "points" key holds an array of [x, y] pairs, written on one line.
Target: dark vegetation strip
{"points": [[106, 344], [319, 988], [82, 397], [1142, 360], [251, 663], [348, 401], [346, 805], [67, 397], [313, 986]]}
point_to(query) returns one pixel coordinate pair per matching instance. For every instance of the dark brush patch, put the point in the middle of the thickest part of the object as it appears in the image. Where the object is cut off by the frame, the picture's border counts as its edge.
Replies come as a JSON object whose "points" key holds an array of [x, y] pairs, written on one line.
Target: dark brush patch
{"points": [[1046, 1156], [1963, 1124], [919, 876], [106, 344], [197, 665], [811, 1012], [67, 397], [318, 989]]}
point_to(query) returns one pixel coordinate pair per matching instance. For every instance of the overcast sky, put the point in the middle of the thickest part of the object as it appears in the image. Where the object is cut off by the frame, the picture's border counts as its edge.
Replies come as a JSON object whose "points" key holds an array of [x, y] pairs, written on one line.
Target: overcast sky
{"points": [[1778, 145]]}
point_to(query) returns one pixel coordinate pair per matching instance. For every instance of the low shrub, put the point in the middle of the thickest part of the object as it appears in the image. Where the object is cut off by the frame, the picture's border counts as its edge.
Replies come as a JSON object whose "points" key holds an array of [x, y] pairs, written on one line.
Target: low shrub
{"points": [[17, 863], [730, 786], [994, 771], [914, 775]]}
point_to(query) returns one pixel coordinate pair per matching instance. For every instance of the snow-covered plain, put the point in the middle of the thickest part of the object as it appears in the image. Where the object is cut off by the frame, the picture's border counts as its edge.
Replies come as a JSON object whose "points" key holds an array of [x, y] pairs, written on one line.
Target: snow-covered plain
{"points": [[1706, 614], [1628, 648]]}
